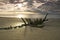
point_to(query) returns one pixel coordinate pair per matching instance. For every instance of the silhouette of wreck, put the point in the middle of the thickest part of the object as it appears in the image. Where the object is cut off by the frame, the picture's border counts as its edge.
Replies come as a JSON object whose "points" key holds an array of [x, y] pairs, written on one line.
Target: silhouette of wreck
{"points": [[38, 22], [35, 22]]}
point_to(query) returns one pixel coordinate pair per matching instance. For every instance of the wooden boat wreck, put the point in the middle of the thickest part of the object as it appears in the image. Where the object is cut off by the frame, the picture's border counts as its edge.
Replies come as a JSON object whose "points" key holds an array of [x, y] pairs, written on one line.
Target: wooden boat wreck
{"points": [[38, 22]]}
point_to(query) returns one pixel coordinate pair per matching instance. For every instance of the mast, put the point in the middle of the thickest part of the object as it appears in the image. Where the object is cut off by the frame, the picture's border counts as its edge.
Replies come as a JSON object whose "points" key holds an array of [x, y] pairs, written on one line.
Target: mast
{"points": [[23, 20], [44, 19]]}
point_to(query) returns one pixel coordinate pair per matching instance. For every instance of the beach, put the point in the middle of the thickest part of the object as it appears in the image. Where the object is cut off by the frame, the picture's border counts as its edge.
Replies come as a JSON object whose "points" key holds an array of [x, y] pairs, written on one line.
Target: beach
{"points": [[51, 30]]}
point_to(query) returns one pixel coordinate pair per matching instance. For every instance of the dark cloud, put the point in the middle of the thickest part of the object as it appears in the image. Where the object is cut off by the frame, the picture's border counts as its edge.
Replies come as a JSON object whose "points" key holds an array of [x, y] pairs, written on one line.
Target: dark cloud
{"points": [[58, 2], [42, 1], [51, 7], [11, 1]]}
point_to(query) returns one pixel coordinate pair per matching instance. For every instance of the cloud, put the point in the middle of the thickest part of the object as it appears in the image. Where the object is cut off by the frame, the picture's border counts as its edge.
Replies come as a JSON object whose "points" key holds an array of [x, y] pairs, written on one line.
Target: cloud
{"points": [[32, 5]]}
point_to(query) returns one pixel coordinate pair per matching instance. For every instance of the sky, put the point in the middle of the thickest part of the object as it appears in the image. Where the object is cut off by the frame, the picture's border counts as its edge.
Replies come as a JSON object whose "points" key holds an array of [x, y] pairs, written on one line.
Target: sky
{"points": [[16, 6]]}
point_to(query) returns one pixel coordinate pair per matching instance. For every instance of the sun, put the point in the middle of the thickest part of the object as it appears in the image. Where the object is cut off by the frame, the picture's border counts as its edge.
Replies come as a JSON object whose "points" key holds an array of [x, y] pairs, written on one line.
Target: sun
{"points": [[21, 16]]}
